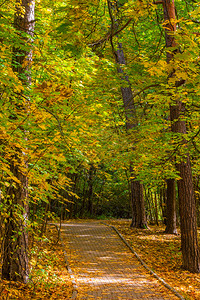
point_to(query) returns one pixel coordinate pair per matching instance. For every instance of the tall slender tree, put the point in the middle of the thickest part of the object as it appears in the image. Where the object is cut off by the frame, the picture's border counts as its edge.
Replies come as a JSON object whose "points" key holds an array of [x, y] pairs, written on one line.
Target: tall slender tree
{"points": [[136, 193], [15, 251], [187, 208]]}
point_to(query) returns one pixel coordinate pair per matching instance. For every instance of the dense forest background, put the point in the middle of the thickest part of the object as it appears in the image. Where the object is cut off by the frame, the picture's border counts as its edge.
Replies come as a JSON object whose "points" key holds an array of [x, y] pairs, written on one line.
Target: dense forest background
{"points": [[99, 116]]}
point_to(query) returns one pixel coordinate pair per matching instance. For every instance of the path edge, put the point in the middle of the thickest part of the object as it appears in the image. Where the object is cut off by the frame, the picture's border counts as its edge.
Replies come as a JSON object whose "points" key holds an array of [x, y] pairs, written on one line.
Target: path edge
{"points": [[75, 288], [144, 264]]}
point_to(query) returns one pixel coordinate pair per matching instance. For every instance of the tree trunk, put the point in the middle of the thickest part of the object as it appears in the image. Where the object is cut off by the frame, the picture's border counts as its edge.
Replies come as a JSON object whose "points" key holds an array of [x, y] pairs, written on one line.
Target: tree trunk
{"points": [[84, 195], [171, 207], [91, 174], [162, 200], [156, 208], [137, 198], [147, 195], [197, 197], [187, 208], [15, 248], [138, 209]]}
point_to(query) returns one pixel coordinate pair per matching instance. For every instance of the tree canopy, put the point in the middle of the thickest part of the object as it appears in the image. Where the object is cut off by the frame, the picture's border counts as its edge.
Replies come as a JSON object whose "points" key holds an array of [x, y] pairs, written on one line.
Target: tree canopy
{"points": [[63, 111]]}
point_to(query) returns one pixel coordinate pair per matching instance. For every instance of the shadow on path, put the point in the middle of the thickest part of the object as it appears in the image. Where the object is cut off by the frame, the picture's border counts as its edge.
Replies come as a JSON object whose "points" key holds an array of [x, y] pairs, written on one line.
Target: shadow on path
{"points": [[103, 266]]}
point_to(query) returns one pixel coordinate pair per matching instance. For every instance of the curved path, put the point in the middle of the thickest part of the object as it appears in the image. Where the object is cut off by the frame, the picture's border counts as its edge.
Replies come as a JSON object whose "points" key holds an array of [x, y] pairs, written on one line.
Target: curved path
{"points": [[103, 266]]}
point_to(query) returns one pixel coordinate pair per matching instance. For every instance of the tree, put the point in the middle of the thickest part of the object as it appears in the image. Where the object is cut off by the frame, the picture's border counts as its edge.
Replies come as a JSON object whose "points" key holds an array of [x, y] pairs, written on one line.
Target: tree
{"points": [[136, 188], [15, 252], [171, 207], [189, 241]]}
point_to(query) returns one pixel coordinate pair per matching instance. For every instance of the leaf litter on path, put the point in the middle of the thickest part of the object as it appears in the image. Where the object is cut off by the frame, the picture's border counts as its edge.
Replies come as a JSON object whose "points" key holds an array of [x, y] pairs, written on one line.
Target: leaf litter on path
{"points": [[162, 253]]}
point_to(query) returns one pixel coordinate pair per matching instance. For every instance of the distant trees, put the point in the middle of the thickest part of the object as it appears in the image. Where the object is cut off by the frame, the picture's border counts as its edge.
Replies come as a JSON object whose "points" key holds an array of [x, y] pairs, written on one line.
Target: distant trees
{"points": [[171, 219]]}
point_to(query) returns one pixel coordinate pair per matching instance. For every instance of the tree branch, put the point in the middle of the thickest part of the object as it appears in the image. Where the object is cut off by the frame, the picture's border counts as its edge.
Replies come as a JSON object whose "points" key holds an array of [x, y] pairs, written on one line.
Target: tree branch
{"points": [[158, 2], [145, 88], [110, 35]]}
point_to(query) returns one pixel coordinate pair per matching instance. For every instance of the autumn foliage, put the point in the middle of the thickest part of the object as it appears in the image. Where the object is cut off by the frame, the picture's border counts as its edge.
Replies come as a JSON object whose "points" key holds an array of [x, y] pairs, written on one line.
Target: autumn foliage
{"points": [[72, 141]]}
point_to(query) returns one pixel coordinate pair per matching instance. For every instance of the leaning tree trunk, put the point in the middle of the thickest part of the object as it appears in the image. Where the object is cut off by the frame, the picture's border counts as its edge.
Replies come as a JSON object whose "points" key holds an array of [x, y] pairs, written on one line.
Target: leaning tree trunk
{"points": [[187, 208], [137, 198], [15, 249]]}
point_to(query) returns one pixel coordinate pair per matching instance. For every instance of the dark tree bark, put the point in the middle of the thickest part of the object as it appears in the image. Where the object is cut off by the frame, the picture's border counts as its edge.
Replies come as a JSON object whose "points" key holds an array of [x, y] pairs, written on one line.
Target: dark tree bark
{"points": [[187, 207], [171, 207], [137, 198], [15, 246]]}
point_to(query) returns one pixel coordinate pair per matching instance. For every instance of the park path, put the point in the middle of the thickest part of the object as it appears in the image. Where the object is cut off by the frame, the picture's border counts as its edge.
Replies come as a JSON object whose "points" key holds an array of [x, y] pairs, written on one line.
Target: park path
{"points": [[103, 266]]}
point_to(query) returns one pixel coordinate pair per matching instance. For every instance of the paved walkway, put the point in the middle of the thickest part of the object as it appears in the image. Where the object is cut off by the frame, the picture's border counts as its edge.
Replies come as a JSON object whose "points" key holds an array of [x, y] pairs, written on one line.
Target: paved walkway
{"points": [[103, 266]]}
